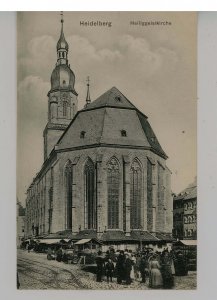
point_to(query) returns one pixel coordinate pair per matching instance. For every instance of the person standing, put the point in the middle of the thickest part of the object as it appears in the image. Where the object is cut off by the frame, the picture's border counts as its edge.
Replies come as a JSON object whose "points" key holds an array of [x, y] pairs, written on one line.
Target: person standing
{"points": [[180, 265], [99, 266], [155, 278], [143, 267], [120, 267], [109, 268], [128, 268], [168, 280]]}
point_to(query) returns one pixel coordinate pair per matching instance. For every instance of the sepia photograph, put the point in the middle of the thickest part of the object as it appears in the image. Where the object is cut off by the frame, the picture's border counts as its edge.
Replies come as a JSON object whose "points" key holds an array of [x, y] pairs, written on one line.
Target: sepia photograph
{"points": [[106, 150]]}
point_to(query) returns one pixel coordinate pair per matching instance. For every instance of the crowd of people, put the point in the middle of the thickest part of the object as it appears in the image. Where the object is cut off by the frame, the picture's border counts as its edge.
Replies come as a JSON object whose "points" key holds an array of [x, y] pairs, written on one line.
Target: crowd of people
{"points": [[155, 268]]}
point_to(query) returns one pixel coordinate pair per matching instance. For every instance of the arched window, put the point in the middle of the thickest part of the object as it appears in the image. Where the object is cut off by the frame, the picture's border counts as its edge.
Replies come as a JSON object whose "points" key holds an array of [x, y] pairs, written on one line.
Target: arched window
{"points": [[64, 108], [90, 199], [135, 195], [68, 188], [113, 182]]}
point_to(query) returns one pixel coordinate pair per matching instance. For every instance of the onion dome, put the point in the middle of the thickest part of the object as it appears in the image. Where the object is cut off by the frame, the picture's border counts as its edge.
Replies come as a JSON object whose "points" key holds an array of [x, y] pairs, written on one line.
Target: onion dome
{"points": [[62, 78]]}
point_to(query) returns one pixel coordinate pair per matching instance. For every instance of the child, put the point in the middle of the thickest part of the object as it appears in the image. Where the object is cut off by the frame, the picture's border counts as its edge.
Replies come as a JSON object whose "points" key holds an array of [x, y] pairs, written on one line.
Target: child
{"points": [[109, 268]]}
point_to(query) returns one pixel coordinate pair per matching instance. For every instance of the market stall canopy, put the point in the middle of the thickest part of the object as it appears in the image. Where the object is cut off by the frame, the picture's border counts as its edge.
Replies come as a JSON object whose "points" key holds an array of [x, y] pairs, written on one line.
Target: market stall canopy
{"points": [[85, 241], [52, 241], [186, 243], [189, 242]]}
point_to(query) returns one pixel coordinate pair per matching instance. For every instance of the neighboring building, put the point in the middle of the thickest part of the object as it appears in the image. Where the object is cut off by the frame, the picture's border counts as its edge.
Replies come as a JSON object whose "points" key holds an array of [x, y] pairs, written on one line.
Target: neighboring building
{"points": [[20, 223], [104, 170], [185, 214]]}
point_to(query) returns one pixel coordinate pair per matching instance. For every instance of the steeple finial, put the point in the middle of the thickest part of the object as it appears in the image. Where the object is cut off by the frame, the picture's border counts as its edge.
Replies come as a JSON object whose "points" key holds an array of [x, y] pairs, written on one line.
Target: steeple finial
{"points": [[62, 45], [62, 20], [88, 100]]}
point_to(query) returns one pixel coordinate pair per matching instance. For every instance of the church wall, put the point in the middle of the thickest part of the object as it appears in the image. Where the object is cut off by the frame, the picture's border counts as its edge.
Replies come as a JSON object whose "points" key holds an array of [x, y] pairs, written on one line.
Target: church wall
{"points": [[169, 201], [51, 138], [78, 184], [100, 157]]}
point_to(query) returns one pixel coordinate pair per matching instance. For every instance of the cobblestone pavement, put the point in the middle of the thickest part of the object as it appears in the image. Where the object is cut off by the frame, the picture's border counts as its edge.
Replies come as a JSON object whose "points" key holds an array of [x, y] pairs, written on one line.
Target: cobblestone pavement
{"points": [[36, 272]]}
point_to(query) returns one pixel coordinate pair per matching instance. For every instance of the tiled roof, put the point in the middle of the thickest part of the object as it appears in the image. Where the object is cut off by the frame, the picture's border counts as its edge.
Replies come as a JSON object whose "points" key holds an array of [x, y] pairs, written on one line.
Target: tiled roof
{"points": [[103, 121], [113, 235], [112, 98], [152, 139], [65, 234], [143, 236], [164, 237], [116, 235], [188, 193], [86, 234]]}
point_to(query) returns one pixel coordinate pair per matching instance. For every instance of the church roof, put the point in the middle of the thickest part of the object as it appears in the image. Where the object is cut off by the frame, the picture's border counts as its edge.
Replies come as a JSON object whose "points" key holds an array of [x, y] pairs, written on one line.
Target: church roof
{"points": [[189, 193], [110, 120], [111, 98]]}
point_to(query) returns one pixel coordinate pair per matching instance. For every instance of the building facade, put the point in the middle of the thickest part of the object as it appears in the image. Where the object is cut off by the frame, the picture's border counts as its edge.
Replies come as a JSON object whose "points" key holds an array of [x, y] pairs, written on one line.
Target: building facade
{"points": [[185, 214], [104, 169], [20, 223]]}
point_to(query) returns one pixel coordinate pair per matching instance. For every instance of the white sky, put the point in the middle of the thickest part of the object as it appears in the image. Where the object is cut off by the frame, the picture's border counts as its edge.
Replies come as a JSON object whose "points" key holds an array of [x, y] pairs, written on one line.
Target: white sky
{"points": [[154, 67]]}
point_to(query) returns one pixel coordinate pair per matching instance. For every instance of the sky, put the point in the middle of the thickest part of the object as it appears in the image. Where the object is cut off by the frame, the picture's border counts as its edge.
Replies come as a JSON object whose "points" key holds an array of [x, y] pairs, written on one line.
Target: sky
{"points": [[153, 66]]}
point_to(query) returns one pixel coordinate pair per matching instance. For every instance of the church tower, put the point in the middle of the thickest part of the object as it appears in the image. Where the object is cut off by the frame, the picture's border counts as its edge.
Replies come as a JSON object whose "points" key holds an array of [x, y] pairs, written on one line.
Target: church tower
{"points": [[62, 97]]}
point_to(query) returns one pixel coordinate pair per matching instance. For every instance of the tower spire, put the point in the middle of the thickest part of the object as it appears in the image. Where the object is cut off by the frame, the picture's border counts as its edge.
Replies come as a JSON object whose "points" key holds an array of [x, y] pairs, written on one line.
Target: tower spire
{"points": [[62, 46], [88, 100]]}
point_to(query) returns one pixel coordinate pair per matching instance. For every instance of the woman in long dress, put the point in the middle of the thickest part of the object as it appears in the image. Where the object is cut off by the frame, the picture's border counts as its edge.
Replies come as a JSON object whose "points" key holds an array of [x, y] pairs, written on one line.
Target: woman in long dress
{"points": [[155, 277]]}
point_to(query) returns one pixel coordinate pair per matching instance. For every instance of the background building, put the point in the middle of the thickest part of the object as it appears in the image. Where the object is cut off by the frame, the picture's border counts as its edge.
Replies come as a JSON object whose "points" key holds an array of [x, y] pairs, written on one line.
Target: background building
{"points": [[185, 213], [20, 222], [104, 170]]}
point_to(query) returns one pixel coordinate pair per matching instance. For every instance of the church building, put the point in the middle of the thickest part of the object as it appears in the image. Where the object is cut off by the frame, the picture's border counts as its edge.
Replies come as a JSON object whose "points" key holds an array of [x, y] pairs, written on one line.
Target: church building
{"points": [[104, 170]]}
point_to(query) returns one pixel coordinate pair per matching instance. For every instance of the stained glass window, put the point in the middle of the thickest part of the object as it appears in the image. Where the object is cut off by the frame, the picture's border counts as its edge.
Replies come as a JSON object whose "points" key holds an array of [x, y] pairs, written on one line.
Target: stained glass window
{"points": [[135, 195], [113, 182]]}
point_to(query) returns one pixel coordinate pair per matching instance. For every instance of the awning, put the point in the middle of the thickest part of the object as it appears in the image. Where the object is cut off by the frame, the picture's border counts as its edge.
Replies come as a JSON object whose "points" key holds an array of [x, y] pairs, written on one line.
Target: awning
{"points": [[52, 241], [189, 242], [83, 241]]}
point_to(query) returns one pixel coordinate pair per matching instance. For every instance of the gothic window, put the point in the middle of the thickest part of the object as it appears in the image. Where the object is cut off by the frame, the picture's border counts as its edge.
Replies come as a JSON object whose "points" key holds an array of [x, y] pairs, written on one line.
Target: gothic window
{"points": [[64, 108], [68, 190], [149, 196], [135, 195], [90, 199], [160, 185], [113, 183]]}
